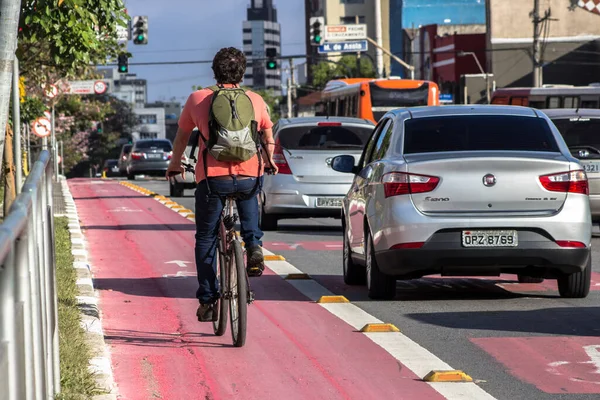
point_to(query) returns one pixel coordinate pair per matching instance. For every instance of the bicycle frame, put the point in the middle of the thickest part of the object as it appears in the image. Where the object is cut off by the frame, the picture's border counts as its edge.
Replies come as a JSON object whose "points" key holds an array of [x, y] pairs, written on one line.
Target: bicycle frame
{"points": [[227, 234]]}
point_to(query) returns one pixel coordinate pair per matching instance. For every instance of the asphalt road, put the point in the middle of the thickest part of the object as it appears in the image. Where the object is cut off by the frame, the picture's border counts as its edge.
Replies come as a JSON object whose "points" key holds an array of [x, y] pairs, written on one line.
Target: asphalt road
{"points": [[519, 341]]}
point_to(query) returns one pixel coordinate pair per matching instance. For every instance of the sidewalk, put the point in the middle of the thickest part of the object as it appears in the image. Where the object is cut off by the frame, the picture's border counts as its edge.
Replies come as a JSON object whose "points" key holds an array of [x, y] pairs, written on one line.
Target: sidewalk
{"points": [[141, 256]]}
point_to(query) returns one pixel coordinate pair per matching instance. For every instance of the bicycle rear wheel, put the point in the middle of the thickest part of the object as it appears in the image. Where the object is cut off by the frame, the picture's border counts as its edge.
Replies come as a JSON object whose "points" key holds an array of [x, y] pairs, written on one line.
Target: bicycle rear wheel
{"points": [[220, 325], [238, 304]]}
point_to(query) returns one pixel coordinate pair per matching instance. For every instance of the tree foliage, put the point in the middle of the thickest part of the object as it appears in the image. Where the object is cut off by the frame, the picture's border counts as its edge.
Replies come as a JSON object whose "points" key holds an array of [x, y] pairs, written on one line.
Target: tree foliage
{"points": [[325, 71], [63, 39]]}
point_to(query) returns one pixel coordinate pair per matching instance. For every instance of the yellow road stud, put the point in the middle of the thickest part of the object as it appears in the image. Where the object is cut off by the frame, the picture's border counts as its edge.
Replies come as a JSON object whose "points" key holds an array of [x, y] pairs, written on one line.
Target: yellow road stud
{"points": [[447, 376]]}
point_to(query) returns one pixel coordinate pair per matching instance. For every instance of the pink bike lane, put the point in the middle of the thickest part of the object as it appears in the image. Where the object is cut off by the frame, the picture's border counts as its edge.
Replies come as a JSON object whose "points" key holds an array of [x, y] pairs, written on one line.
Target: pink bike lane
{"points": [[141, 255]]}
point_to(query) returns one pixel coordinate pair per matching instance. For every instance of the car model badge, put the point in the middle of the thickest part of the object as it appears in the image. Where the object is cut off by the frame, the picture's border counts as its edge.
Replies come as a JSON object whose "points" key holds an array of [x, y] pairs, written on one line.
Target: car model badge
{"points": [[328, 161], [489, 180]]}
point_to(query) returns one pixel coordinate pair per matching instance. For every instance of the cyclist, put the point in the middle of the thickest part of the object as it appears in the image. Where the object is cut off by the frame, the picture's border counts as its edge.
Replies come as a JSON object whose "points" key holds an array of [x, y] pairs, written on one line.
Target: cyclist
{"points": [[217, 178]]}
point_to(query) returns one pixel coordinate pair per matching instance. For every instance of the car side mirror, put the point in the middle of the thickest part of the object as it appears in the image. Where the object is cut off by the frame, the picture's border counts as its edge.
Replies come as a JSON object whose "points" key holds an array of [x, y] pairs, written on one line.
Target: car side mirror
{"points": [[343, 164]]}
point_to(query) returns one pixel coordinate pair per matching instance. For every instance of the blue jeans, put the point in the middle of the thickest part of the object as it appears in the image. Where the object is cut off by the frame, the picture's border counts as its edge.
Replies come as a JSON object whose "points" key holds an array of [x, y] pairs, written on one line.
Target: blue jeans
{"points": [[208, 211]]}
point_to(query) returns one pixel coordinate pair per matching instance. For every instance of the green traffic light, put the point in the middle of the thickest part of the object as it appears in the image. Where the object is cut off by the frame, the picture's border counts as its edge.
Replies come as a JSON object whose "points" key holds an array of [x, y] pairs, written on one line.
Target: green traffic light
{"points": [[123, 68], [318, 39], [271, 65], [140, 37]]}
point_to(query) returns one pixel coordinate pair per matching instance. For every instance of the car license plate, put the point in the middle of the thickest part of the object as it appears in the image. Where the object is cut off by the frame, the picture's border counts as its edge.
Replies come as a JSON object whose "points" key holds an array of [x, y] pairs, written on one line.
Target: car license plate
{"points": [[155, 156], [329, 201], [490, 238], [591, 166]]}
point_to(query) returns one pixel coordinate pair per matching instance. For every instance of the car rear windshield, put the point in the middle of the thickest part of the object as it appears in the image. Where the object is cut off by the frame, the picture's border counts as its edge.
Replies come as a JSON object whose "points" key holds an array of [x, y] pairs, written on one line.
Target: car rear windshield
{"points": [[580, 132], [324, 137], [478, 133], [156, 144]]}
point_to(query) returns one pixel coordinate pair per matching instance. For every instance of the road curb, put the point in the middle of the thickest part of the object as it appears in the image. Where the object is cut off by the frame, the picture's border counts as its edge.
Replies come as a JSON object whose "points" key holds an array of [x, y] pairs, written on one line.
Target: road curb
{"points": [[87, 300]]}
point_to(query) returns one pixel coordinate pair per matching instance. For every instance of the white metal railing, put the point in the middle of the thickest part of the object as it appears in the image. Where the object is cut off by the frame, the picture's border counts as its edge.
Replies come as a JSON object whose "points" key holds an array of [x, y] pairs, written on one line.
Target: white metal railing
{"points": [[29, 359]]}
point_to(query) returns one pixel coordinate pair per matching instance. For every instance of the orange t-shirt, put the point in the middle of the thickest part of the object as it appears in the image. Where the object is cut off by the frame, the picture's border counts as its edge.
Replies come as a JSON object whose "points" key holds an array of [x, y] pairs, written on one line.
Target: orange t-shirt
{"points": [[195, 114]]}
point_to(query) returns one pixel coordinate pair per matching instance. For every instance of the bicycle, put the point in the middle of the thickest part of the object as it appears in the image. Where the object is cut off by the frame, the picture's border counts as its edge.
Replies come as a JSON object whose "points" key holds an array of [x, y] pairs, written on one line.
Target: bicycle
{"points": [[235, 293]]}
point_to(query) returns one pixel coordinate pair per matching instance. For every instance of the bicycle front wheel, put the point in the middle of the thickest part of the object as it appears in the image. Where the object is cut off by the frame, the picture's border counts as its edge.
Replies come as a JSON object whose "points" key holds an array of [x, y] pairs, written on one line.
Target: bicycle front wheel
{"points": [[238, 304], [220, 325]]}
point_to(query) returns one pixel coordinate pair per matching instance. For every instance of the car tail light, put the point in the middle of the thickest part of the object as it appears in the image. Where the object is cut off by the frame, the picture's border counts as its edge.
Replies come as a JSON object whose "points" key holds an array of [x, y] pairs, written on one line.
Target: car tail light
{"points": [[169, 155], [399, 183], [569, 243], [329, 124], [567, 182], [411, 245], [137, 156], [279, 159]]}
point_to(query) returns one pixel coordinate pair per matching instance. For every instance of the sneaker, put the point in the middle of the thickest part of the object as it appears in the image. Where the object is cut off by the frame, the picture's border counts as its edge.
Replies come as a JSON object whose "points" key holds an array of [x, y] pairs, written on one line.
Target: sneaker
{"points": [[255, 262], [207, 312]]}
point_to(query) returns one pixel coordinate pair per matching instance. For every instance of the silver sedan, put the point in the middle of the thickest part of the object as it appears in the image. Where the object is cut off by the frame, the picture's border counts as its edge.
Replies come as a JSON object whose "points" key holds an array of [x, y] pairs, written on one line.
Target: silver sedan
{"points": [[469, 191], [306, 186]]}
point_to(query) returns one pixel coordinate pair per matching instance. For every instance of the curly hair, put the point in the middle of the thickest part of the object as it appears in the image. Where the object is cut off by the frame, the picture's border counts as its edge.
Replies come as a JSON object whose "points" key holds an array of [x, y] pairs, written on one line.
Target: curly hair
{"points": [[229, 65]]}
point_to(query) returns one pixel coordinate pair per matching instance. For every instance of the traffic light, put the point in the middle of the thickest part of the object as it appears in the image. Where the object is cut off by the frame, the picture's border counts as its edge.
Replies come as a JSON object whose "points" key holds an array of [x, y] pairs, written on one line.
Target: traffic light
{"points": [[271, 58], [316, 26], [123, 63], [140, 30]]}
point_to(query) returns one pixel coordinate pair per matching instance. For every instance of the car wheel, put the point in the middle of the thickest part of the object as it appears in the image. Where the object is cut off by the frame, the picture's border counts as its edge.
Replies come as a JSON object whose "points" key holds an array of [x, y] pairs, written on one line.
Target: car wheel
{"points": [[176, 189], [267, 222], [353, 274], [379, 285], [131, 177], [577, 285], [529, 279]]}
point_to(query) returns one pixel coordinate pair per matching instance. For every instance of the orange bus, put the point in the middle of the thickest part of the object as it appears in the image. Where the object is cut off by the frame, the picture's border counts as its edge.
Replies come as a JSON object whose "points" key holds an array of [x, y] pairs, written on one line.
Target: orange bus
{"points": [[550, 96], [370, 98]]}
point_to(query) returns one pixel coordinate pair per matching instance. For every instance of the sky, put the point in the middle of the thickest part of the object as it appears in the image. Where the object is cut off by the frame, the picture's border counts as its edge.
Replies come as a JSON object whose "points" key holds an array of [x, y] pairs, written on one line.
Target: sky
{"points": [[186, 30], [424, 12], [189, 30]]}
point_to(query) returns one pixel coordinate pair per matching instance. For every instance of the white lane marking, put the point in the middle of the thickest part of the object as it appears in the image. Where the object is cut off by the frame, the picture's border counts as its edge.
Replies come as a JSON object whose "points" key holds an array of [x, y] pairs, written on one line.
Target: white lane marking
{"points": [[413, 356], [179, 263], [593, 353], [124, 209]]}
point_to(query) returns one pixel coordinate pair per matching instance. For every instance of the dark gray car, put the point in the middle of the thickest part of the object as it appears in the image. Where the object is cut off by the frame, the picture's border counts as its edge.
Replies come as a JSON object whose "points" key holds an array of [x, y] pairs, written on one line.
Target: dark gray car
{"points": [[581, 130], [149, 157]]}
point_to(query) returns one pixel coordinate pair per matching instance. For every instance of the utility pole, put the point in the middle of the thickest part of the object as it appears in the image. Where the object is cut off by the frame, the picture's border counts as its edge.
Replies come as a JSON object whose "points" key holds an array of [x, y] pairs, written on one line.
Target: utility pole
{"points": [[538, 26], [9, 25], [378, 38], [537, 78]]}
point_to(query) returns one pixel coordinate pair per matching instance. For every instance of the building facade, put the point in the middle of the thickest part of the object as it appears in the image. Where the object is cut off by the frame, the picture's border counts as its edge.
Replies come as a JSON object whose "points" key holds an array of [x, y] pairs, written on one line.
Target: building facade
{"points": [[150, 123], [570, 49], [172, 114], [261, 31]]}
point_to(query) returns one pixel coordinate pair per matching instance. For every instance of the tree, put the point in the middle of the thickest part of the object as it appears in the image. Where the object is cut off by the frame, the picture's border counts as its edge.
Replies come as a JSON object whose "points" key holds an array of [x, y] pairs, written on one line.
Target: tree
{"points": [[59, 39], [325, 71]]}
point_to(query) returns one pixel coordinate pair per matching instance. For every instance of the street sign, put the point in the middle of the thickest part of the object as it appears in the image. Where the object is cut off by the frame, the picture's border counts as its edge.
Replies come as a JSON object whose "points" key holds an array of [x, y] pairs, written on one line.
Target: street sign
{"points": [[86, 87], [344, 47], [42, 127], [446, 98], [51, 91], [345, 32]]}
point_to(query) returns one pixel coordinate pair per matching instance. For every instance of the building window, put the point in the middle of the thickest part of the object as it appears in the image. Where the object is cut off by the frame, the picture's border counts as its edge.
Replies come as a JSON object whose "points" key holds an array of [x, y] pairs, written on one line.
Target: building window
{"points": [[247, 30], [352, 1], [249, 41], [147, 119], [352, 20]]}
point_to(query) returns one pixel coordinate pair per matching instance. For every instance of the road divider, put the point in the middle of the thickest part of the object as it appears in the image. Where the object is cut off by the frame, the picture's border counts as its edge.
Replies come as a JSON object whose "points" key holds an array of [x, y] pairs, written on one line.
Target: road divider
{"points": [[447, 376], [379, 328]]}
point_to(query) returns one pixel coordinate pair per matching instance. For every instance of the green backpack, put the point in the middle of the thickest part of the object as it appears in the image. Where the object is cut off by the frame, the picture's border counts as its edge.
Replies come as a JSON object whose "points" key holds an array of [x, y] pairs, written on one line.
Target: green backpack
{"points": [[232, 128]]}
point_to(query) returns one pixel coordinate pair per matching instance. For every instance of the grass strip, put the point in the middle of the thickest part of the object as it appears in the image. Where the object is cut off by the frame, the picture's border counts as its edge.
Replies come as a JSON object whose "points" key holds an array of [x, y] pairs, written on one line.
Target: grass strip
{"points": [[77, 382]]}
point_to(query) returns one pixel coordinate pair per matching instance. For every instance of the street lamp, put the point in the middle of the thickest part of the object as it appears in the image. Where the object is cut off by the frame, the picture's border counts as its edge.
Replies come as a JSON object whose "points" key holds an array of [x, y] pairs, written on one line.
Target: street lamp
{"points": [[487, 77]]}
